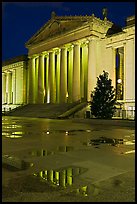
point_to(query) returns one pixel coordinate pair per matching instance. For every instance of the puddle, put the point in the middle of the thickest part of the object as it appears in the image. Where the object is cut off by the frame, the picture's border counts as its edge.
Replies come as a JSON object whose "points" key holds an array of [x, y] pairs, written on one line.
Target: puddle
{"points": [[61, 181], [45, 152], [64, 179], [18, 134], [110, 141]]}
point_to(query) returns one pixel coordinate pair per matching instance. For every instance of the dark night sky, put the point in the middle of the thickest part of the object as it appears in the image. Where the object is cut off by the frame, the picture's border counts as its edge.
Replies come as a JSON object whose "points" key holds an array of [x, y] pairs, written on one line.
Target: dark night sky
{"points": [[21, 20]]}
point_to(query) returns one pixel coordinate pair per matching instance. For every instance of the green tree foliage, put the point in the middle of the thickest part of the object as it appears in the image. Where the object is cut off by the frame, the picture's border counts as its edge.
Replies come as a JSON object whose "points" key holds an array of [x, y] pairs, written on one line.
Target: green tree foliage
{"points": [[103, 98]]}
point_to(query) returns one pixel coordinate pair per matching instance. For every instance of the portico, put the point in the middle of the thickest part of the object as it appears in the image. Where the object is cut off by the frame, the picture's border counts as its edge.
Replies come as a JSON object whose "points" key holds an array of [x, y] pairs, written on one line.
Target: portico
{"points": [[61, 74]]}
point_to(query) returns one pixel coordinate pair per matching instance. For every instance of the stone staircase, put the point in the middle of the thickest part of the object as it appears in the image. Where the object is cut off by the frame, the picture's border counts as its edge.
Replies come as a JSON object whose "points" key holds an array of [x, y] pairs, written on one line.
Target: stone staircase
{"points": [[44, 110]]}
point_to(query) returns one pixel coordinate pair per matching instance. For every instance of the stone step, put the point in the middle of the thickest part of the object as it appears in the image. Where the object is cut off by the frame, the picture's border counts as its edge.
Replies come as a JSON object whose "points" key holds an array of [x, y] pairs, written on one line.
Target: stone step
{"points": [[13, 162], [43, 110]]}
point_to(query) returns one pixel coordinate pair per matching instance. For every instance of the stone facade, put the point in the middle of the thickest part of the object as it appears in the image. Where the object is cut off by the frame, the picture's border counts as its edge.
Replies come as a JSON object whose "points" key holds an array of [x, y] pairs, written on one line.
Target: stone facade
{"points": [[14, 80], [66, 56]]}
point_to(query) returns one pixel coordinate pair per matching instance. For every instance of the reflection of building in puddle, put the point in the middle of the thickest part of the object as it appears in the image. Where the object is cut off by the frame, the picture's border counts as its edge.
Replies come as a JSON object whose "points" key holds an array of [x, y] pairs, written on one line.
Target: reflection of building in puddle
{"points": [[64, 178], [45, 152], [42, 152], [65, 148], [113, 141]]}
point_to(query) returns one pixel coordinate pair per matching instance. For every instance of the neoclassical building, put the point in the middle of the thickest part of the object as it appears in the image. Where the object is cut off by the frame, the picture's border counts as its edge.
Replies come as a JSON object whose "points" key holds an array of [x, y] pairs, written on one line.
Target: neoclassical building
{"points": [[66, 56]]}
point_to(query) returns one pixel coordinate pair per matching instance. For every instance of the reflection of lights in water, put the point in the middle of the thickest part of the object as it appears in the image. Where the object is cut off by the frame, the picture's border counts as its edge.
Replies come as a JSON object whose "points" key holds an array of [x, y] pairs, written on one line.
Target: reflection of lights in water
{"points": [[129, 152], [127, 135], [4, 118], [5, 133], [17, 133], [88, 130], [66, 132], [14, 136], [12, 126], [31, 164], [129, 142]]}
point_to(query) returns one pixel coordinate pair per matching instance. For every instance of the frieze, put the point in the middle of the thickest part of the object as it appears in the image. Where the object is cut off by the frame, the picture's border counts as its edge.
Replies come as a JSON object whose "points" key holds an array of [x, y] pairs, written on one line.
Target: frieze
{"points": [[13, 66]]}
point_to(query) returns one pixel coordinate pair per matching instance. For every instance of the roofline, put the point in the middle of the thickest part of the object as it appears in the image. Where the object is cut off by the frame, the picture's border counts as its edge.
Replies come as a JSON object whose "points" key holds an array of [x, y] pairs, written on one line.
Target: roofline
{"points": [[86, 17], [15, 59]]}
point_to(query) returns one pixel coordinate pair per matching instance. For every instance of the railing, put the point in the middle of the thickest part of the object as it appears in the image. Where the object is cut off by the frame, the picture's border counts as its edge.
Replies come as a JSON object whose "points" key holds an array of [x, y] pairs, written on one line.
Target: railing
{"points": [[119, 114], [9, 108], [124, 114]]}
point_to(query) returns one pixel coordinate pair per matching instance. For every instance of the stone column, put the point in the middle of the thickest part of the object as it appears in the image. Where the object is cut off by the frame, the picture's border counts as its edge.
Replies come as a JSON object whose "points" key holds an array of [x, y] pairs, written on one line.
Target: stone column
{"points": [[3, 88], [70, 73], [50, 175], [36, 78], [113, 64], [58, 77], [76, 73], [52, 77], [32, 80], [47, 79], [62, 178], [9, 78], [14, 85], [92, 79], [69, 176], [63, 75], [41, 80], [129, 74], [121, 66], [84, 72]]}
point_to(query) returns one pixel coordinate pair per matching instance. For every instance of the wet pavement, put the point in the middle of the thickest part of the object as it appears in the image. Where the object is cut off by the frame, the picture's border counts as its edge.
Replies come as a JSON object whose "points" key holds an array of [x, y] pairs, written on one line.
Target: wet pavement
{"points": [[75, 161]]}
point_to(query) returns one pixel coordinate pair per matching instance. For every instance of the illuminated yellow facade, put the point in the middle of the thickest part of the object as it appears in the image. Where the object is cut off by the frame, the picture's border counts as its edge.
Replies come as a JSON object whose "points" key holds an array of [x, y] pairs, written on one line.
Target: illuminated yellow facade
{"points": [[66, 56], [14, 81]]}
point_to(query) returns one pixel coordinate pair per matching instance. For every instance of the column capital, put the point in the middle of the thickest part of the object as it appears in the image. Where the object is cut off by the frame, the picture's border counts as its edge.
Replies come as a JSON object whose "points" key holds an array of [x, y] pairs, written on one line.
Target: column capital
{"points": [[45, 53], [63, 47], [41, 55], [32, 57], [84, 43], [76, 43], [51, 51], [69, 46], [56, 50], [91, 38], [9, 71]]}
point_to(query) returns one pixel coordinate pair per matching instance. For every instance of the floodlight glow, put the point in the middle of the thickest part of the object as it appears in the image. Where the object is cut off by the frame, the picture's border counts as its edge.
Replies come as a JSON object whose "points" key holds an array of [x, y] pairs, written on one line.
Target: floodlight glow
{"points": [[119, 81]]}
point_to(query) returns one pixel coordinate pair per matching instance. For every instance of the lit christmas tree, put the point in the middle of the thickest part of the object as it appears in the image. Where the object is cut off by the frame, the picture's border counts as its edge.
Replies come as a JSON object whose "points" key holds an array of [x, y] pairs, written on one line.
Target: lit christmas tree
{"points": [[103, 98]]}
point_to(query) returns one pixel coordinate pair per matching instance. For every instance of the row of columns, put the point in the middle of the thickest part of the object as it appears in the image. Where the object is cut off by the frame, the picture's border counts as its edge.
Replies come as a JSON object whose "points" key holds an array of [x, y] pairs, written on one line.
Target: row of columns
{"points": [[63, 74], [14, 85], [7, 88], [62, 178]]}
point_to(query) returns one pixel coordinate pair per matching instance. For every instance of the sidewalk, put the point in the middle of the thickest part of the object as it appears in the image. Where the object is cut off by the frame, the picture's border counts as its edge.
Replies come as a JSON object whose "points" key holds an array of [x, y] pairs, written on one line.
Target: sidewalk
{"points": [[113, 122]]}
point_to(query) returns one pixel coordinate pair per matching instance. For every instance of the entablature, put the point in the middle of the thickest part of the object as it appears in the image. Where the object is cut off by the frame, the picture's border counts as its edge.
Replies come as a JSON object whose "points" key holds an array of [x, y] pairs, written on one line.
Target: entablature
{"points": [[11, 67]]}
